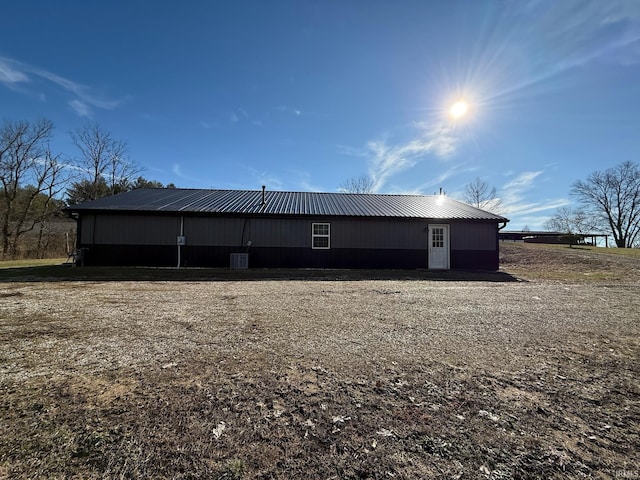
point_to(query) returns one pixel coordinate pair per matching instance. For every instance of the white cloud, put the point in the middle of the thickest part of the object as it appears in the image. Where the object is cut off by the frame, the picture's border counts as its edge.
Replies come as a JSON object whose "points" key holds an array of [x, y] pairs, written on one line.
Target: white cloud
{"points": [[177, 171], [80, 108], [514, 191], [439, 180], [432, 140], [352, 151], [10, 75], [521, 182], [578, 32], [533, 207], [83, 99], [441, 136], [240, 114], [303, 181], [516, 196], [293, 111]]}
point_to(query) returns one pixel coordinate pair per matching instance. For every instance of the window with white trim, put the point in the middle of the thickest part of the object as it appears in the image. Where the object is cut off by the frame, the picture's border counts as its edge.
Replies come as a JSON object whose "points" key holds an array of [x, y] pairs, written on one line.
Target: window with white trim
{"points": [[321, 235]]}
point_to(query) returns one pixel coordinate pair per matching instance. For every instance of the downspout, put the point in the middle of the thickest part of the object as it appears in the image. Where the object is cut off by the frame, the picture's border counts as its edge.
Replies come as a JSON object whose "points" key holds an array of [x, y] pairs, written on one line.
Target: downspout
{"points": [[182, 236], [500, 227], [244, 227]]}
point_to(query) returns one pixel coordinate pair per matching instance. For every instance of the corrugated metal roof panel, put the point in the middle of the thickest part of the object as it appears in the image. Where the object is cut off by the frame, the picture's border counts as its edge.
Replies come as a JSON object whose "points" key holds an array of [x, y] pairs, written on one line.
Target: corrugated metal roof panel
{"points": [[288, 203]]}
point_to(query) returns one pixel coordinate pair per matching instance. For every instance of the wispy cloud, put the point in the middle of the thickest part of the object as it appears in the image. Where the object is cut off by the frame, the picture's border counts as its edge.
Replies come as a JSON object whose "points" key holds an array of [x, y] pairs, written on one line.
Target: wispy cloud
{"points": [[188, 178], [293, 111], [429, 140], [516, 194], [352, 151], [27, 79], [81, 108], [521, 182], [240, 115], [578, 32], [10, 75], [302, 181], [440, 179], [559, 36], [556, 38], [177, 170]]}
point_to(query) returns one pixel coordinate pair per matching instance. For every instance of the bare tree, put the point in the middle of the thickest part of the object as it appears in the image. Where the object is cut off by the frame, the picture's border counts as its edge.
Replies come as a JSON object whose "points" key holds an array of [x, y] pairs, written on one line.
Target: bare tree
{"points": [[361, 184], [613, 196], [479, 194], [572, 221], [104, 160], [31, 178]]}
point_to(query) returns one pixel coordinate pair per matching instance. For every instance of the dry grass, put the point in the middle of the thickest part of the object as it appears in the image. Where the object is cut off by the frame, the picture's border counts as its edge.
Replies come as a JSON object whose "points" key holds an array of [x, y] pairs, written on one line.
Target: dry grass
{"points": [[31, 262], [404, 376]]}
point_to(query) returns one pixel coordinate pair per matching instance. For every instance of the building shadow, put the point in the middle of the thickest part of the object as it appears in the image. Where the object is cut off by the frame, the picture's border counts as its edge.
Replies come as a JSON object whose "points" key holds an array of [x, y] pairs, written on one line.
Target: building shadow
{"points": [[67, 273]]}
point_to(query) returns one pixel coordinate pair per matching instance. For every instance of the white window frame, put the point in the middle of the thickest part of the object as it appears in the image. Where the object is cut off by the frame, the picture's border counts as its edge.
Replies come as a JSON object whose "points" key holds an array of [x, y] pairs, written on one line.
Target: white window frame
{"points": [[315, 235]]}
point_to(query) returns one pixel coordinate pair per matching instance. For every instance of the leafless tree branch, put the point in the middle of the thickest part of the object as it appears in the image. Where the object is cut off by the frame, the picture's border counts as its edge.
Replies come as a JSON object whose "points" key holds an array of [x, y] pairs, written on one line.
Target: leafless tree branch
{"points": [[361, 184], [479, 194]]}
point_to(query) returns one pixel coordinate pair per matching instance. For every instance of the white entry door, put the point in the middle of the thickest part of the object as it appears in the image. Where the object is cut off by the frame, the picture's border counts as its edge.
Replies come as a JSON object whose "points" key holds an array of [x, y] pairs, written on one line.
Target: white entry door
{"points": [[439, 247]]}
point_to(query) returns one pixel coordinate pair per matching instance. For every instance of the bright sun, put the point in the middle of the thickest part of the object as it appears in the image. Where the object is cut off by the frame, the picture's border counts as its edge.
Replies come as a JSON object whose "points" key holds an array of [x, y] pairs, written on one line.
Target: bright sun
{"points": [[459, 109]]}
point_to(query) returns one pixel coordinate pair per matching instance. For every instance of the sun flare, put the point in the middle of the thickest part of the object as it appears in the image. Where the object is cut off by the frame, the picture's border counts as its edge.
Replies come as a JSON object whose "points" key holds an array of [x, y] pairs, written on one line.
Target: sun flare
{"points": [[459, 109]]}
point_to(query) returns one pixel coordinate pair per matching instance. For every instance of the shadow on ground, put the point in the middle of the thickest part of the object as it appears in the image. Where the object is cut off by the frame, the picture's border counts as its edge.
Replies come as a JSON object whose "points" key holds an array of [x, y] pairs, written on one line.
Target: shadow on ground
{"points": [[65, 272]]}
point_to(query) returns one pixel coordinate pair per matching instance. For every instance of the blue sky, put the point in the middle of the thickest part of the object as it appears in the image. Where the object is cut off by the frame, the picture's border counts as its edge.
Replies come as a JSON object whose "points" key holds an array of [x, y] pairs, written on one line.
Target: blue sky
{"points": [[301, 95]]}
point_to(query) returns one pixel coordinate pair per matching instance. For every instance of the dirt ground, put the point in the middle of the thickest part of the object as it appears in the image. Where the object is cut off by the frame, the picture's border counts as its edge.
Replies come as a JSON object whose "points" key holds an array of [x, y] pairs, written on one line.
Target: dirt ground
{"points": [[532, 372]]}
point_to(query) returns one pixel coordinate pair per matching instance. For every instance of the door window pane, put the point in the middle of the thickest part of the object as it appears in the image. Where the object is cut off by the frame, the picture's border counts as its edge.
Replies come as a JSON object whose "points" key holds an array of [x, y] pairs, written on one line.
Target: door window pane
{"points": [[437, 237]]}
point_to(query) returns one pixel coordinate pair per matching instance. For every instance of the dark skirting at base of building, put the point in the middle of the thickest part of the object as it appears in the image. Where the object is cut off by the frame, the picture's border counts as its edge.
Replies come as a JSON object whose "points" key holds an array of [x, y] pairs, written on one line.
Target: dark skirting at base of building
{"points": [[264, 257]]}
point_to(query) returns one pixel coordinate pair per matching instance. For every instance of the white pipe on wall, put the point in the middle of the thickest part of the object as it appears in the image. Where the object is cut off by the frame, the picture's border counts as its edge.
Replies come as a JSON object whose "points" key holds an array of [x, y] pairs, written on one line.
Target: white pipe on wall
{"points": [[179, 244]]}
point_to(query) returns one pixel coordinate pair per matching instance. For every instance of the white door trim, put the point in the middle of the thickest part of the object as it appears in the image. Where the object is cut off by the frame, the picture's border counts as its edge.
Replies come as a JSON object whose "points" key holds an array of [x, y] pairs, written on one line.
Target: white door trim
{"points": [[438, 246]]}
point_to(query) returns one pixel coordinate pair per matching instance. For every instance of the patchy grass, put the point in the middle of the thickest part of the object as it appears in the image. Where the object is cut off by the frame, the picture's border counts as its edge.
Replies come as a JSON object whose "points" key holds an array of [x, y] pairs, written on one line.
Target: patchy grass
{"points": [[560, 263], [8, 264], [327, 375], [625, 252]]}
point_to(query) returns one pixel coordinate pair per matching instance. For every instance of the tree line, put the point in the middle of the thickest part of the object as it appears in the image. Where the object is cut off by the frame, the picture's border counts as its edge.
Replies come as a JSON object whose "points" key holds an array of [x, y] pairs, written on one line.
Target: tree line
{"points": [[36, 184]]}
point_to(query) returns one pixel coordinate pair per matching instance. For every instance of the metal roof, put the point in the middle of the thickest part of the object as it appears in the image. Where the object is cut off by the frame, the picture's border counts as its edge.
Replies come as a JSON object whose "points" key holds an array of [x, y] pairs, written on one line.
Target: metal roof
{"points": [[286, 203]]}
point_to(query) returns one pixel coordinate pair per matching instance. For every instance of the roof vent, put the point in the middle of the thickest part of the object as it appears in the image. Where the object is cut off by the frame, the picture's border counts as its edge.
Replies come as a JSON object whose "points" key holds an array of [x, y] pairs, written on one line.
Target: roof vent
{"points": [[264, 200]]}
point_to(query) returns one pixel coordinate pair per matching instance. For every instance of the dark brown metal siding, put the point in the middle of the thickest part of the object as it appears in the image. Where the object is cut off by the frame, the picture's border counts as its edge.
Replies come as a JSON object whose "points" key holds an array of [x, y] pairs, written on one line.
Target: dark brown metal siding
{"points": [[205, 231], [345, 233], [284, 241], [376, 233], [296, 232], [86, 230], [279, 232], [473, 236], [134, 230]]}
